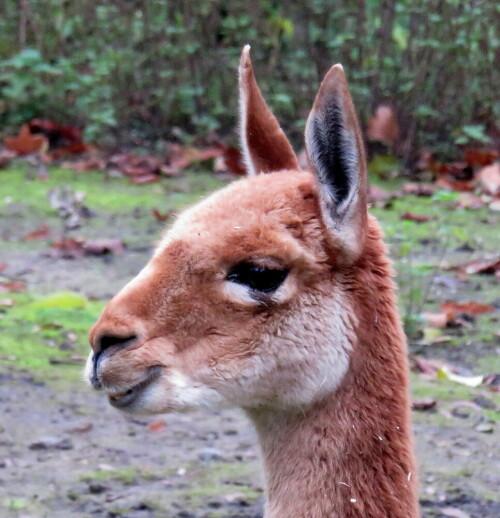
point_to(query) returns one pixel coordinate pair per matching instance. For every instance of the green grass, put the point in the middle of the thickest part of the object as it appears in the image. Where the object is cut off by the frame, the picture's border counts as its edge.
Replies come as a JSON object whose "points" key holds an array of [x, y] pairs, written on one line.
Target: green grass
{"points": [[116, 195], [36, 327]]}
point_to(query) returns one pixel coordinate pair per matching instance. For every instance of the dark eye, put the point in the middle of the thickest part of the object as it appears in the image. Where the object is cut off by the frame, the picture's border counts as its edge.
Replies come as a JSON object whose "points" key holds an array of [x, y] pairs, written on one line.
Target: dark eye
{"points": [[257, 277]]}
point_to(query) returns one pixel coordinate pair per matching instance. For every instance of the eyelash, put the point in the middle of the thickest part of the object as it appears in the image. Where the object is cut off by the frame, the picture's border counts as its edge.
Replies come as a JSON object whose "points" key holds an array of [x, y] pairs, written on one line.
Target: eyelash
{"points": [[257, 278]]}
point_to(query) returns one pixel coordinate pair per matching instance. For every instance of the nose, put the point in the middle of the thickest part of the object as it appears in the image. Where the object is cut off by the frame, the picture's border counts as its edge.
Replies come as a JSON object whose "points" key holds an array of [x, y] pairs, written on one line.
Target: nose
{"points": [[105, 340]]}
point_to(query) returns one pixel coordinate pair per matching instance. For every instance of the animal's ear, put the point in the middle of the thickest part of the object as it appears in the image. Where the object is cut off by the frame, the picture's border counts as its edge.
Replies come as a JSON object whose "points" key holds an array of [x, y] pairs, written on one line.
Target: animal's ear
{"points": [[265, 146], [335, 148]]}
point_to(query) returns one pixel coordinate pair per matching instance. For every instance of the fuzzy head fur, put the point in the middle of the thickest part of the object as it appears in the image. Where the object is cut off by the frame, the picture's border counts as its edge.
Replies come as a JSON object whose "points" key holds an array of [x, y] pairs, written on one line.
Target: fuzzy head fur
{"points": [[318, 359], [196, 338]]}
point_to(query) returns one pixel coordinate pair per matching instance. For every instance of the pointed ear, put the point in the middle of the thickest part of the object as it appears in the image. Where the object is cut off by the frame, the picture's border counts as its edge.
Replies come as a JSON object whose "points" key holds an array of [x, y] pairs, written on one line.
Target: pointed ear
{"points": [[335, 148], [265, 146]]}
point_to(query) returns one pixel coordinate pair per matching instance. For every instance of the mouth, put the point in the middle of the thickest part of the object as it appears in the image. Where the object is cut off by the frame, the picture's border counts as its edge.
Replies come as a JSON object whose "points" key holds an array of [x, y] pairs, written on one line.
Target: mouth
{"points": [[126, 399]]}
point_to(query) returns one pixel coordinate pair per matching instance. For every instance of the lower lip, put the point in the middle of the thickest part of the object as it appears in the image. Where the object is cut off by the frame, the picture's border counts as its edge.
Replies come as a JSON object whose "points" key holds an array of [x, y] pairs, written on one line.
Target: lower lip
{"points": [[128, 398]]}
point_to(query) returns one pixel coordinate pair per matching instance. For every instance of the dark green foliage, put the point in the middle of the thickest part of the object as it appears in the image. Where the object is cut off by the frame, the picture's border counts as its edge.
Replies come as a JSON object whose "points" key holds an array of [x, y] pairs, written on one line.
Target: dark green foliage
{"points": [[129, 70]]}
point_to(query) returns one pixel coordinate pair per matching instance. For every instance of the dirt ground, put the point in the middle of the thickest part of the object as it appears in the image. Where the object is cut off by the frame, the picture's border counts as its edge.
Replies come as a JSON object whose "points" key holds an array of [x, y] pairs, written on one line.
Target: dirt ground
{"points": [[65, 453]]}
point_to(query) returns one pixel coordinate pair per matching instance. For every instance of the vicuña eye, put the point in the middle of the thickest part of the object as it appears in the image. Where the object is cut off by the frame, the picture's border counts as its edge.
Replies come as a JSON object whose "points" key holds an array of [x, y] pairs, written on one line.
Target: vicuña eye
{"points": [[257, 277]]}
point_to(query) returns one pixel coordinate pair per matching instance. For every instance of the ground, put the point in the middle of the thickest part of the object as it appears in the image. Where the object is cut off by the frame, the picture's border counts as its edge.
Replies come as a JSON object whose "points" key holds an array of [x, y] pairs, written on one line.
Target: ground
{"points": [[64, 453]]}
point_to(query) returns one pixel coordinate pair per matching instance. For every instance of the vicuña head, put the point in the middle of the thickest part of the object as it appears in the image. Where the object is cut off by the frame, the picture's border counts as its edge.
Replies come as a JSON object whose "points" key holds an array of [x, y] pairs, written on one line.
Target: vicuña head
{"points": [[274, 294]]}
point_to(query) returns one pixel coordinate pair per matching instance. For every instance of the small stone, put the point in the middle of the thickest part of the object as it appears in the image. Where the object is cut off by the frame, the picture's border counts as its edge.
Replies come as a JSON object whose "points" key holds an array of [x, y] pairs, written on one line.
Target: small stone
{"points": [[484, 428], [210, 454], [52, 443], [96, 489], [484, 402]]}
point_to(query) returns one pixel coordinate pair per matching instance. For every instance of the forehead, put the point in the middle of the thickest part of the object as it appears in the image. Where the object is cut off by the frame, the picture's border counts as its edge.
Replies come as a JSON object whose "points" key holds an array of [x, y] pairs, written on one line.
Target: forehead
{"points": [[256, 215]]}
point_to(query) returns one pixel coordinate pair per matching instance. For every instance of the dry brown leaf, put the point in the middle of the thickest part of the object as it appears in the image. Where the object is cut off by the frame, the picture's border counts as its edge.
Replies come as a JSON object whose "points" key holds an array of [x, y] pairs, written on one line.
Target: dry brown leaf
{"points": [[418, 218], [467, 200], [439, 320], [12, 286], [378, 197], [162, 217], [450, 184], [41, 232], [427, 366], [26, 143], [383, 126], [82, 428], [70, 248], [487, 266], [418, 189], [81, 166], [424, 404], [465, 308], [158, 425], [489, 178]]}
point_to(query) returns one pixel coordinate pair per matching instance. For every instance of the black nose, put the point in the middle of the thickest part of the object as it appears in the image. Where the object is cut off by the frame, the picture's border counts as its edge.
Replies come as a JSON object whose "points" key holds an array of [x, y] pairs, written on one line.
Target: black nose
{"points": [[105, 342]]}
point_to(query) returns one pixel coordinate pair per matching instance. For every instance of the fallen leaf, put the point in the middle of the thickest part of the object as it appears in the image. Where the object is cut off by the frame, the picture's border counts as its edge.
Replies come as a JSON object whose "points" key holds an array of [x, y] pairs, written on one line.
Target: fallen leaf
{"points": [[145, 178], [70, 248], [83, 428], [12, 286], [63, 139], [158, 425], [41, 232], [383, 126], [467, 200], [484, 266], [26, 143], [424, 404], [489, 178], [82, 166], [140, 169], [439, 320], [162, 217], [427, 366], [467, 308], [418, 189], [470, 381], [418, 218], [378, 197], [451, 184], [492, 381], [479, 157], [7, 303], [181, 157]]}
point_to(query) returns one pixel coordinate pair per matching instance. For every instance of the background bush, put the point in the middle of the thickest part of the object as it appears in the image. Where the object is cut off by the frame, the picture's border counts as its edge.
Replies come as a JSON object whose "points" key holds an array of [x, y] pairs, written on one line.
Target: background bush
{"points": [[136, 70]]}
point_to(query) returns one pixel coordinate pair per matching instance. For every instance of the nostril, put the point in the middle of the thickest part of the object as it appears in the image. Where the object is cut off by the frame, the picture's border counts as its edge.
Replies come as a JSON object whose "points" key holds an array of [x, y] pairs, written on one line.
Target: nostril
{"points": [[106, 341]]}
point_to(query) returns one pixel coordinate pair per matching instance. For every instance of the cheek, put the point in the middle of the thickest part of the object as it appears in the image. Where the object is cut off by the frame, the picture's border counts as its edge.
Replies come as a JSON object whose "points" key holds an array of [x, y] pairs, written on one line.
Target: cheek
{"points": [[177, 392]]}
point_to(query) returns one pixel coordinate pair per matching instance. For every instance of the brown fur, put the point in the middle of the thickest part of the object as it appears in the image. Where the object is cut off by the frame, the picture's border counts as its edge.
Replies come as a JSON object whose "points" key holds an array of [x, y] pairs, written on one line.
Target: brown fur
{"points": [[319, 366]]}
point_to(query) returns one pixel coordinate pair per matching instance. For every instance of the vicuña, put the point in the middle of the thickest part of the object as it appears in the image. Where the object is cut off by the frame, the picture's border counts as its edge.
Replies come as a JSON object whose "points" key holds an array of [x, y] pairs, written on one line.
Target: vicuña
{"points": [[275, 295]]}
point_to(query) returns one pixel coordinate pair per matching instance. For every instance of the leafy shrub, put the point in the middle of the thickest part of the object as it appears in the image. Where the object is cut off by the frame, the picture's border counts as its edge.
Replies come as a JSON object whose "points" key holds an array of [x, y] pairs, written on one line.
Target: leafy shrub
{"points": [[136, 70]]}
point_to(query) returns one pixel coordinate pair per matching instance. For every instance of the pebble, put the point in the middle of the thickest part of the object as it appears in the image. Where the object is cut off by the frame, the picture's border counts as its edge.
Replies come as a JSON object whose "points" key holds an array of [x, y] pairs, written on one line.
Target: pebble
{"points": [[52, 443], [210, 454]]}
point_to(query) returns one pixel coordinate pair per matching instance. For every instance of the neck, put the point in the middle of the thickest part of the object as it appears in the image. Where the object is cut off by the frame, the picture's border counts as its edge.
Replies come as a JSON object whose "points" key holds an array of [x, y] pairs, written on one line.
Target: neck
{"points": [[349, 455]]}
